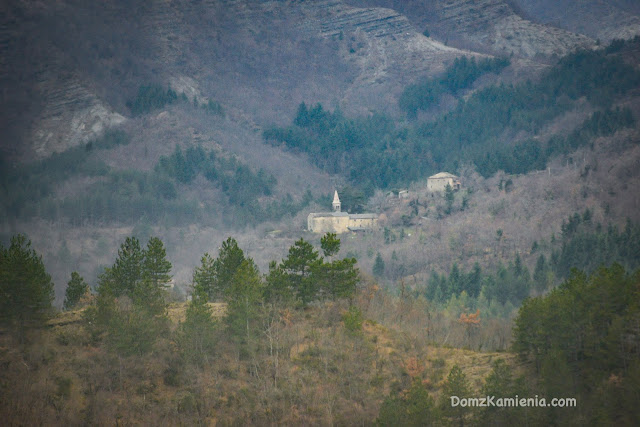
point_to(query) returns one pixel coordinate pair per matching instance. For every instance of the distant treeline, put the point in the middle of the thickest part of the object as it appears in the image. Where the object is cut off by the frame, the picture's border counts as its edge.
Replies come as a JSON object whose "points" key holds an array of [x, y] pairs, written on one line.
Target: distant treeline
{"points": [[153, 96], [583, 246], [582, 339], [460, 75], [23, 188], [377, 152], [242, 186], [511, 283], [236, 180], [126, 196], [586, 245]]}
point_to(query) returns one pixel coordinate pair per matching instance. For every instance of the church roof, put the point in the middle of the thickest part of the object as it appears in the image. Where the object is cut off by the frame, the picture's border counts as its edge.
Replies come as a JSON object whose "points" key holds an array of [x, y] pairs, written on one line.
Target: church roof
{"points": [[327, 214], [363, 216], [339, 214], [336, 199]]}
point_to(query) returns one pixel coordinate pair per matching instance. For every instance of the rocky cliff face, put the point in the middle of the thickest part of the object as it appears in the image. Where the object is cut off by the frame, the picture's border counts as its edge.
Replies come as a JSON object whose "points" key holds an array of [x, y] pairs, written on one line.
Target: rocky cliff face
{"points": [[600, 19], [382, 47], [494, 24], [72, 66], [71, 115], [491, 26], [67, 68], [51, 100]]}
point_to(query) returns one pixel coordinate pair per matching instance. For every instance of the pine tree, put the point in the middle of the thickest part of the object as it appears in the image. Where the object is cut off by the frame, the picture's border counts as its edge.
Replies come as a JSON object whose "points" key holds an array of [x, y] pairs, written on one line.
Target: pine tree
{"points": [[517, 266], [230, 258], [455, 280], [155, 266], [130, 307], [76, 288], [278, 287], [413, 408], [126, 272], [500, 383], [378, 266], [432, 286], [26, 289], [474, 281], [540, 274], [150, 291], [197, 333], [449, 198], [204, 276], [520, 280], [298, 265], [133, 329], [302, 116], [243, 298], [338, 278], [456, 385], [330, 244]]}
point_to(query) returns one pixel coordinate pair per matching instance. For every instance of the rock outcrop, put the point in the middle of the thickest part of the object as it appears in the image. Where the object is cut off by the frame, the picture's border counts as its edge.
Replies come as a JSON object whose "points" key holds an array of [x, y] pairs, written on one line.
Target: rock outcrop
{"points": [[599, 19], [491, 26]]}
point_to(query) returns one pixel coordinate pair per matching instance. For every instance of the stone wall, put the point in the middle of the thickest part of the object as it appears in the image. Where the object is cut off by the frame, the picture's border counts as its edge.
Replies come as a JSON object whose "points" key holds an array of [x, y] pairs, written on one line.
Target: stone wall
{"points": [[340, 222], [319, 223]]}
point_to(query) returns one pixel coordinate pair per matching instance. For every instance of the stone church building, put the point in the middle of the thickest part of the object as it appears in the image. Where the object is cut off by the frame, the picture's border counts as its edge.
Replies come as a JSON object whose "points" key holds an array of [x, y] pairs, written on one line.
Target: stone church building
{"points": [[340, 222]]}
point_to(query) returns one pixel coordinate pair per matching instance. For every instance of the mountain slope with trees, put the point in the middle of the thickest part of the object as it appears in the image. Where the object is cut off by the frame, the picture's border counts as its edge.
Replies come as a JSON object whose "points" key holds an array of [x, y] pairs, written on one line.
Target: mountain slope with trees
{"points": [[358, 356]]}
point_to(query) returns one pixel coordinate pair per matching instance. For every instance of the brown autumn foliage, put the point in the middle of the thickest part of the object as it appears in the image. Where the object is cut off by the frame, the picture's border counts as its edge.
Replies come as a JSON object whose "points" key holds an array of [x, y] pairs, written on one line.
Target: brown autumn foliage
{"points": [[471, 319], [302, 367], [413, 366]]}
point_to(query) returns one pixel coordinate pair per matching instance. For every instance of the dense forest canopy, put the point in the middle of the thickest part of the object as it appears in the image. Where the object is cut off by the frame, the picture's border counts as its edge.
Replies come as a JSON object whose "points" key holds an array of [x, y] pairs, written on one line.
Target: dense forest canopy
{"points": [[378, 152]]}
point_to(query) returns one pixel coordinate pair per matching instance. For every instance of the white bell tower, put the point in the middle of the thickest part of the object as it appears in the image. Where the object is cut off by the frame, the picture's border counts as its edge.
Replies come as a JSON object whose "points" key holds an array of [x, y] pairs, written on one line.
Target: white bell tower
{"points": [[336, 202]]}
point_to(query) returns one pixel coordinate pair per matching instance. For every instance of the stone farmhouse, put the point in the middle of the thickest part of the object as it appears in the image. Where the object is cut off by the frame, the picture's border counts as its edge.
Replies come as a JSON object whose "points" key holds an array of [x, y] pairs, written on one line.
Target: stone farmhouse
{"points": [[439, 181], [340, 222]]}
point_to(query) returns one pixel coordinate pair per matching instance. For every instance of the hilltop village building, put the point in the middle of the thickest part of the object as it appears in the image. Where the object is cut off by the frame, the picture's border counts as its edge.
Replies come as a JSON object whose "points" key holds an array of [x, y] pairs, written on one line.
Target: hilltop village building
{"points": [[340, 222], [439, 181]]}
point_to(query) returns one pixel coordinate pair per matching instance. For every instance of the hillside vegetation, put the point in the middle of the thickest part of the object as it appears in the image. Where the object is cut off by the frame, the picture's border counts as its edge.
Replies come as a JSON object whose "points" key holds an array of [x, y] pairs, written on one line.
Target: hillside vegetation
{"points": [[310, 342]]}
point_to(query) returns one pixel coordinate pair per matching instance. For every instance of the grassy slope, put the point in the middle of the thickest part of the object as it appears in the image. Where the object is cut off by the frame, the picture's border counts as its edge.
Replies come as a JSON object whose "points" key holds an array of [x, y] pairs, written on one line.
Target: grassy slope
{"points": [[318, 373]]}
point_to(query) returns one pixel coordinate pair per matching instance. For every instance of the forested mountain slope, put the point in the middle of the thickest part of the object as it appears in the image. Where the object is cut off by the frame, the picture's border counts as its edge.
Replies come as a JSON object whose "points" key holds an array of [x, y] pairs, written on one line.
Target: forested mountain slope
{"points": [[178, 117]]}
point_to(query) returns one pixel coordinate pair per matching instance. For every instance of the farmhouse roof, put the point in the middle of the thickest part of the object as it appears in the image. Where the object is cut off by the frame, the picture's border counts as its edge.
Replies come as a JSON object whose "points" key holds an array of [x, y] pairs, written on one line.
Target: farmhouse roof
{"points": [[443, 175]]}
